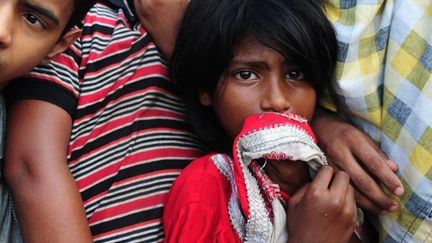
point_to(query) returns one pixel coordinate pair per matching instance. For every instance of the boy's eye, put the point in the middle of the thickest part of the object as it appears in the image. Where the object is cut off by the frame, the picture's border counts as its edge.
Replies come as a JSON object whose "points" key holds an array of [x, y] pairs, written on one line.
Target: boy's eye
{"points": [[245, 75], [32, 19], [295, 75]]}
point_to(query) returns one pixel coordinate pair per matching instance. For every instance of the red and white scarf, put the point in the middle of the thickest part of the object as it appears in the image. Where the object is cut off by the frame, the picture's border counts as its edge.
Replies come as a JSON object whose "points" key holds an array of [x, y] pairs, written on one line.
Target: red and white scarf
{"points": [[255, 208]]}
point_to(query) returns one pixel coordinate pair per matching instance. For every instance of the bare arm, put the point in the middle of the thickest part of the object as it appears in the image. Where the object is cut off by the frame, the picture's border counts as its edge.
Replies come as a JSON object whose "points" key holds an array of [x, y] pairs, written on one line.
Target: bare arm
{"points": [[161, 19], [46, 197], [354, 152]]}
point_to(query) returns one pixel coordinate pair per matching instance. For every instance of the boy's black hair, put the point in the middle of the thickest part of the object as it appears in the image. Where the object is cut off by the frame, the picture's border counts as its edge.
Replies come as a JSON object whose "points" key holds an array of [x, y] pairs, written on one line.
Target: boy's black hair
{"points": [[210, 31], [80, 9]]}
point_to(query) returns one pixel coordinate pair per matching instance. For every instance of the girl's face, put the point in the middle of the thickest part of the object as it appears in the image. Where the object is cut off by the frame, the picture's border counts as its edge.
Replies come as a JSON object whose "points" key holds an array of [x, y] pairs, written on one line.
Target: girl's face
{"points": [[259, 79]]}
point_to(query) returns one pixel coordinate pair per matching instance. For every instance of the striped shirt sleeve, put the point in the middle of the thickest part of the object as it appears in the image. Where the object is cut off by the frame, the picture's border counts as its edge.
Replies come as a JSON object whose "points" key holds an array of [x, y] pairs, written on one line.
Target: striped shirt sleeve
{"points": [[57, 82]]}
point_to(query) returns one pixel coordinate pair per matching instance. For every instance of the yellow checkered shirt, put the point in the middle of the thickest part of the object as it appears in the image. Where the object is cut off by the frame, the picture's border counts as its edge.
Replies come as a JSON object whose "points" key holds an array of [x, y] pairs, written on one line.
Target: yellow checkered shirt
{"points": [[383, 85]]}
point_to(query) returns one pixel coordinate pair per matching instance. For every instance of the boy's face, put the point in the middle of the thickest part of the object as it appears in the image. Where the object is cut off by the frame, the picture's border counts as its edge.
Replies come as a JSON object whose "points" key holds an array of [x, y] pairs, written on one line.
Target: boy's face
{"points": [[30, 33], [259, 79]]}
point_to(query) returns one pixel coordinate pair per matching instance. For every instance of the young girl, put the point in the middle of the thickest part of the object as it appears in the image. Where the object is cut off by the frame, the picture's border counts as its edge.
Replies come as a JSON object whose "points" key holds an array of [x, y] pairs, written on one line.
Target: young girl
{"points": [[249, 72]]}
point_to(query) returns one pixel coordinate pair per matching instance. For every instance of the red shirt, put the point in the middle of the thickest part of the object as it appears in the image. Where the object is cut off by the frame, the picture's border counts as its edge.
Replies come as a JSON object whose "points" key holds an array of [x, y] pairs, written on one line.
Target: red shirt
{"points": [[197, 206]]}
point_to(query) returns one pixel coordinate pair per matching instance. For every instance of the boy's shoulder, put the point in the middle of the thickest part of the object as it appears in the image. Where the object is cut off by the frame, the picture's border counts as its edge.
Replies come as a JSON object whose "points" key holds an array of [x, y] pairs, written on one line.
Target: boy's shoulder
{"points": [[110, 10], [127, 7]]}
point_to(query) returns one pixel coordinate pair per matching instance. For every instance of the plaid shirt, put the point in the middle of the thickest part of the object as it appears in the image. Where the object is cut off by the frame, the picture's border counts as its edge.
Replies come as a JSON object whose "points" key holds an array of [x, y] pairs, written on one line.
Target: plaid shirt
{"points": [[384, 86]]}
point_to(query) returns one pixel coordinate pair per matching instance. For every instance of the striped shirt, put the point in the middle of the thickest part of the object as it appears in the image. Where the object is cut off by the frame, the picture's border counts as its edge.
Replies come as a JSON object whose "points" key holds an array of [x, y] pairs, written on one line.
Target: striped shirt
{"points": [[384, 86], [130, 138]]}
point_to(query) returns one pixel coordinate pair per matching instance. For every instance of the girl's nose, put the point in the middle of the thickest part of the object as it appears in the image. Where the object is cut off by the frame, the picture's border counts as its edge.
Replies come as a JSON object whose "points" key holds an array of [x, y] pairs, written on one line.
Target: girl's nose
{"points": [[6, 18], [275, 97]]}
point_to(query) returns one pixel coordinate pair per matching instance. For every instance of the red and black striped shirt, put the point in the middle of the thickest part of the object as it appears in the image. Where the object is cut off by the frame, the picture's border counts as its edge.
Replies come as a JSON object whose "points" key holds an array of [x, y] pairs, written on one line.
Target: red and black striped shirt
{"points": [[130, 137]]}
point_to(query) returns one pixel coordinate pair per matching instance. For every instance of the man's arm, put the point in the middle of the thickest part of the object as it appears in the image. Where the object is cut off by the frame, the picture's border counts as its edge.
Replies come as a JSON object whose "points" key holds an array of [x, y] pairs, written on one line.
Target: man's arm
{"points": [[46, 197], [352, 151], [161, 19]]}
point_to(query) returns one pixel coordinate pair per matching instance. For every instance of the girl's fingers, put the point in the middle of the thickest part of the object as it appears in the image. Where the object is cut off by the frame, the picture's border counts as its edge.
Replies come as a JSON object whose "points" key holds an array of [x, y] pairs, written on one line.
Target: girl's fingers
{"points": [[298, 195], [322, 178], [340, 183]]}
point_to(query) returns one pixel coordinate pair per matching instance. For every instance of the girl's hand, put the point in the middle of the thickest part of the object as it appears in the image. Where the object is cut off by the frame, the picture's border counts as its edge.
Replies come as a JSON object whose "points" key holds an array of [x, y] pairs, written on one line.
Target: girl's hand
{"points": [[323, 210]]}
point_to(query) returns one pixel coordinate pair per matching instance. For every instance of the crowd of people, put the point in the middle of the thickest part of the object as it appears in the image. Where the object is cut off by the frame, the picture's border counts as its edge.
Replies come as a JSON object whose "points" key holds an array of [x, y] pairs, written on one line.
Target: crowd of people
{"points": [[216, 120]]}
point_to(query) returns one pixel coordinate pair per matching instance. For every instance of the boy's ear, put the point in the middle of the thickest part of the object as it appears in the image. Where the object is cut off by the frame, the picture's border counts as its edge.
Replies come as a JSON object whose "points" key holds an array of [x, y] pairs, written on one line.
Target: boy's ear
{"points": [[62, 44], [205, 98]]}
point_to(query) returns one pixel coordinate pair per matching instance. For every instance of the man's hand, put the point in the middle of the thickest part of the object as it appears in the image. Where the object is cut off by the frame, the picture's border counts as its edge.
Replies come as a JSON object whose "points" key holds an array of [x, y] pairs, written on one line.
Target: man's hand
{"points": [[352, 151], [161, 19], [324, 210]]}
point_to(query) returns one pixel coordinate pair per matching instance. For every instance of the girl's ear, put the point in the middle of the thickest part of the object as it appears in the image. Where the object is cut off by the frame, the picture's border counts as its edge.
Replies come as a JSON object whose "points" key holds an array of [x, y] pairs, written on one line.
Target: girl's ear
{"points": [[205, 98], [62, 44]]}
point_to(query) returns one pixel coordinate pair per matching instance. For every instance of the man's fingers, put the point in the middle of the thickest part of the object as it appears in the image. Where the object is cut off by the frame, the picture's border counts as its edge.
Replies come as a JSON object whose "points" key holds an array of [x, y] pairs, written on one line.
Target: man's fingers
{"points": [[363, 181], [393, 166], [368, 186], [380, 166], [355, 153], [365, 203]]}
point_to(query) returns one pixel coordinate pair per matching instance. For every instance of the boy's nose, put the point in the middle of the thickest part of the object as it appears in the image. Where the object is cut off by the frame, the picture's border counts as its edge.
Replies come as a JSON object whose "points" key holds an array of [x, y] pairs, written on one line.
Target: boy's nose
{"points": [[5, 26], [276, 98]]}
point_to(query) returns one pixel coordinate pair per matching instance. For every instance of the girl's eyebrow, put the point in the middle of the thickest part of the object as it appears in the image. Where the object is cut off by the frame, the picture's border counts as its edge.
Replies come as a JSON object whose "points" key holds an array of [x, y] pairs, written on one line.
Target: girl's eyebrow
{"points": [[42, 11], [256, 64]]}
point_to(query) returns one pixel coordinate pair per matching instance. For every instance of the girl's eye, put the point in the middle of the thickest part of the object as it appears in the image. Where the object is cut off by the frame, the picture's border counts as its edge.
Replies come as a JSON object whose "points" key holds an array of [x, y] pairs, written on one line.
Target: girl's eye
{"points": [[33, 20], [245, 75], [295, 75]]}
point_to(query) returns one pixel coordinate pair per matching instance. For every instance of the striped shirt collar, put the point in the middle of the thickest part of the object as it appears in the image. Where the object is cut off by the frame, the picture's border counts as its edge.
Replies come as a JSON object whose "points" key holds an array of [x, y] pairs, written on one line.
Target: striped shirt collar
{"points": [[127, 6]]}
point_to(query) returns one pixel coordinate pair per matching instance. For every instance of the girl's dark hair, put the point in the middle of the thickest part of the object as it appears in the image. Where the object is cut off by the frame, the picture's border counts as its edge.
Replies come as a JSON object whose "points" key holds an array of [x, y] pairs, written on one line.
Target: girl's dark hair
{"points": [[210, 31], [80, 9]]}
